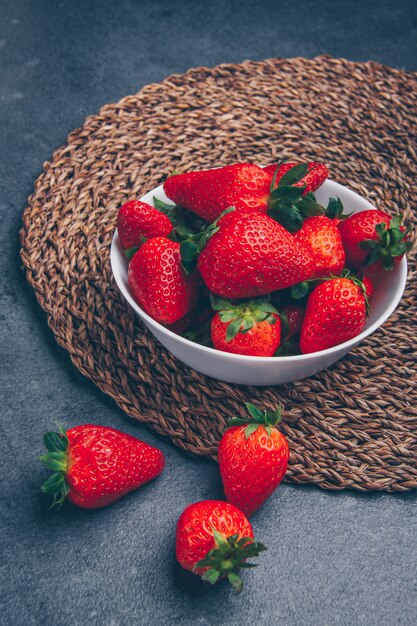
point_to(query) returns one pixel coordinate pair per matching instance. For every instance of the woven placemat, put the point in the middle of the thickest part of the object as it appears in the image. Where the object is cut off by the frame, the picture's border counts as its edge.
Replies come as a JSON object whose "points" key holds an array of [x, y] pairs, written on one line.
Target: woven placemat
{"points": [[353, 425]]}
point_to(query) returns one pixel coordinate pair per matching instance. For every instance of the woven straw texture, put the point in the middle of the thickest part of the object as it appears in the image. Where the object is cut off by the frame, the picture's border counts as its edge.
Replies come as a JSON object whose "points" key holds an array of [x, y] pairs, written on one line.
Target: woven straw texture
{"points": [[353, 425]]}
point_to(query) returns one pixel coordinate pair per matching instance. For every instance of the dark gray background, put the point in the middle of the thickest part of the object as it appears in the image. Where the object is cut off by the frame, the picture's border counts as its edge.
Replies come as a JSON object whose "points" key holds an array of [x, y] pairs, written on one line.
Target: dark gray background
{"points": [[333, 558]]}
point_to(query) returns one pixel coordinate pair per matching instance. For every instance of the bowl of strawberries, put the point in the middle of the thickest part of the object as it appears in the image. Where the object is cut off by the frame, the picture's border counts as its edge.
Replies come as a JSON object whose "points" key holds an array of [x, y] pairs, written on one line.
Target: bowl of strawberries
{"points": [[259, 275]]}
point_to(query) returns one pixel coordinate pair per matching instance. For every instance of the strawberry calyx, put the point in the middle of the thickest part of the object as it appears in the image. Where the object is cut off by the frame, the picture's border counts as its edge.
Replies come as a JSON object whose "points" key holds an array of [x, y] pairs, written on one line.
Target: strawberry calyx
{"points": [[56, 460], [243, 316], [193, 244], [229, 555], [287, 205], [335, 209], [185, 223], [269, 419], [389, 245]]}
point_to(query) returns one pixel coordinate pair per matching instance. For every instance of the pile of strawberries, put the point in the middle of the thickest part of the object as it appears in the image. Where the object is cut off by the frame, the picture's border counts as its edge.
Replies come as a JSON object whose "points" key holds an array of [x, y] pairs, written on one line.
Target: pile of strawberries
{"points": [[247, 261], [93, 466]]}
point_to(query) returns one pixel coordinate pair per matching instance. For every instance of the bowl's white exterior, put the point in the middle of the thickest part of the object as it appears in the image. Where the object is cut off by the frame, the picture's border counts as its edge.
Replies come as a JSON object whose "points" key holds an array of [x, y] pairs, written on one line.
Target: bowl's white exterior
{"points": [[245, 370]]}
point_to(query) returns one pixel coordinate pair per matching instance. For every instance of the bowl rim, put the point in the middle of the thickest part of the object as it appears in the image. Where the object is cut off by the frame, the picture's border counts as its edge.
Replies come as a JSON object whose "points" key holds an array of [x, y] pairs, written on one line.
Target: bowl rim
{"points": [[115, 250]]}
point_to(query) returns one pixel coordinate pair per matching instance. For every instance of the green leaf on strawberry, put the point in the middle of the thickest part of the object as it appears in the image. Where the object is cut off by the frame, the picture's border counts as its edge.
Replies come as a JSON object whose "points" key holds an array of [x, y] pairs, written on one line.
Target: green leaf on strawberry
{"points": [[194, 243], [189, 255], [185, 222], [243, 316], [335, 209], [56, 460], [289, 207], [130, 252], [300, 290], [286, 193], [289, 217], [310, 207], [294, 175], [391, 244], [227, 557], [257, 418]]}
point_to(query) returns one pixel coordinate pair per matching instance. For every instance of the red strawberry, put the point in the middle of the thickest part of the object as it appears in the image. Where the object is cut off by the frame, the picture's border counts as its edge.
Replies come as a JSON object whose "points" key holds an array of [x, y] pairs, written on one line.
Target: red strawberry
{"points": [[294, 315], [137, 220], [374, 240], [291, 321], [253, 458], [184, 323], [252, 327], [95, 466], [209, 192], [214, 539], [321, 236], [250, 255], [313, 179], [368, 285], [158, 282], [336, 312], [245, 186]]}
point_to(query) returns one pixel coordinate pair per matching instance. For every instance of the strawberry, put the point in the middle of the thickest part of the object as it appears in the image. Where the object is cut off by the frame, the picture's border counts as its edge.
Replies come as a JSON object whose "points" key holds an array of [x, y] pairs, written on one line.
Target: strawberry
{"points": [[209, 192], [293, 315], [321, 236], [336, 312], [214, 540], [249, 254], [312, 180], [374, 240], [183, 324], [158, 282], [94, 466], [253, 458], [137, 221], [245, 186], [252, 327], [291, 321], [368, 285]]}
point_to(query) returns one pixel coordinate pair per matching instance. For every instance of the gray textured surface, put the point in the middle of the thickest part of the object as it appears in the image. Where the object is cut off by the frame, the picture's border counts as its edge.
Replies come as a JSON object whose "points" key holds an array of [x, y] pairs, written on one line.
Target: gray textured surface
{"points": [[333, 558]]}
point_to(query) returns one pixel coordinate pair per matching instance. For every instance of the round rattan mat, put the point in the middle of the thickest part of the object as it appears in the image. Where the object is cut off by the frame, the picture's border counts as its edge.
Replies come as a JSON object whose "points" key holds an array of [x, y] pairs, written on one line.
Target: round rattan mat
{"points": [[353, 425]]}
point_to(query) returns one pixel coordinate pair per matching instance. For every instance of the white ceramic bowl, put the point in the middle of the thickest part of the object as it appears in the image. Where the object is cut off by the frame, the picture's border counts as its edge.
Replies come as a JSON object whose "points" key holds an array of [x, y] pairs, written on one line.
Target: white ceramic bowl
{"points": [[247, 370]]}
